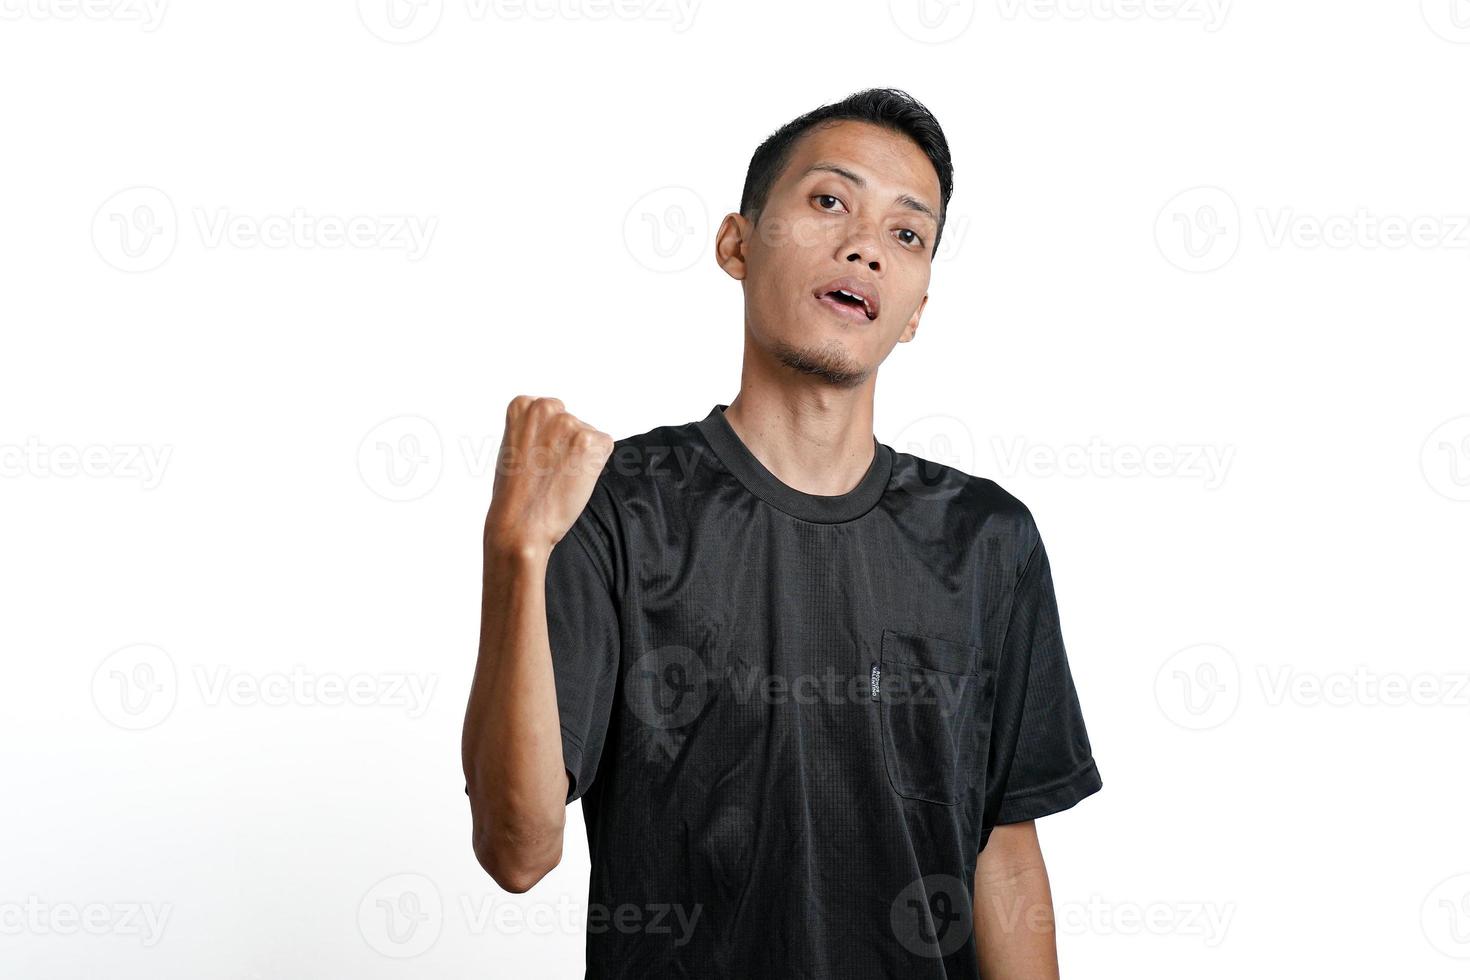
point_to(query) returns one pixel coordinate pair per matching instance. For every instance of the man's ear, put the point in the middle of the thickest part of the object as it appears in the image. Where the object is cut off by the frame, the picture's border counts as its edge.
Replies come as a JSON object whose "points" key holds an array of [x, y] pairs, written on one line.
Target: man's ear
{"points": [[730, 242], [912, 327]]}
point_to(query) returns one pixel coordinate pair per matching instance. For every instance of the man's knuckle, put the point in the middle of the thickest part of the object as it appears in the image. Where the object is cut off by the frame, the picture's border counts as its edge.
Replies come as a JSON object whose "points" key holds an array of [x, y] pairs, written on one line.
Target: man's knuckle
{"points": [[517, 406]]}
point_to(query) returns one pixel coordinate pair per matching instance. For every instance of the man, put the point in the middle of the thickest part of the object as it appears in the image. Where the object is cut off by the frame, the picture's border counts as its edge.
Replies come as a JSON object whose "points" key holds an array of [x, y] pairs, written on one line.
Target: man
{"points": [[811, 691]]}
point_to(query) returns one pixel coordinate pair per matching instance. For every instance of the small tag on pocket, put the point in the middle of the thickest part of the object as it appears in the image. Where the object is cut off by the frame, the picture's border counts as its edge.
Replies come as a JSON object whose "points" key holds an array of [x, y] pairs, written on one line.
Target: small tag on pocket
{"points": [[874, 678]]}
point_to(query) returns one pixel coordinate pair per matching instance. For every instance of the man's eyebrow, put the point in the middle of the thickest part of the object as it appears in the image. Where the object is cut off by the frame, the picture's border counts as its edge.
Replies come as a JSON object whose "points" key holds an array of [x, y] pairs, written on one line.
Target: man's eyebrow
{"points": [[907, 200]]}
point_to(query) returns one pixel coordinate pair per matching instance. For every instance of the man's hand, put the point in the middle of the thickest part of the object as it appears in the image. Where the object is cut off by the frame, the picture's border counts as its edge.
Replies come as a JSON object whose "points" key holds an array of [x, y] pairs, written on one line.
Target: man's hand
{"points": [[1015, 926], [548, 463]]}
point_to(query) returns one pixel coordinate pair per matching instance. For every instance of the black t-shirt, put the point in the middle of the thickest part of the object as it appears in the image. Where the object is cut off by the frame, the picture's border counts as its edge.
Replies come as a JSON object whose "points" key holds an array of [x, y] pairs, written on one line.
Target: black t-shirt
{"points": [[793, 719]]}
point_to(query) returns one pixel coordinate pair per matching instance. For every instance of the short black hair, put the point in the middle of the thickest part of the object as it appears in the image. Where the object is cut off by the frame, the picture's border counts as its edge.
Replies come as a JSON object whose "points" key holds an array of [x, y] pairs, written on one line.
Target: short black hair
{"points": [[891, 108]]}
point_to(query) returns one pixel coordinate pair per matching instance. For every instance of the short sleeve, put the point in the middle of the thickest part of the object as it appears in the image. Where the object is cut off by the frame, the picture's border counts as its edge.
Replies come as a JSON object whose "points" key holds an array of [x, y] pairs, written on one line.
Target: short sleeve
{"points": [[1041, 759], [583, 627]]}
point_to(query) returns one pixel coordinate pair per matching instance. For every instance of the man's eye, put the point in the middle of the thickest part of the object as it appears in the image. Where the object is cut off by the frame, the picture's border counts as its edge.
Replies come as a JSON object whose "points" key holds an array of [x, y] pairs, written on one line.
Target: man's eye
{"points": [[821, 200], [915, 240]]}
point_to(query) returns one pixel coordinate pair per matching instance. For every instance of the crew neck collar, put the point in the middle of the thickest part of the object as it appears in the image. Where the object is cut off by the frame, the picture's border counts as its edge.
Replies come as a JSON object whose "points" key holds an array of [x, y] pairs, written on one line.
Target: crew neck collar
{"points": [[817, 508]]}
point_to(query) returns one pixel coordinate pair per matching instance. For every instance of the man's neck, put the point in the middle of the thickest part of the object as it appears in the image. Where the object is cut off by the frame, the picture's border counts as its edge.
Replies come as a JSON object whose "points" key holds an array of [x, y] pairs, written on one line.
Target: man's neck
{"points": [[810, 436]]}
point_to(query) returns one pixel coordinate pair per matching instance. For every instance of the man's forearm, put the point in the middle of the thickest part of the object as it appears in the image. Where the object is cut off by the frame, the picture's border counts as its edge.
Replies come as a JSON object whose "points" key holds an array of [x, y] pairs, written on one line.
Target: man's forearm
{"points": [[1015, 925], [511, 746]]}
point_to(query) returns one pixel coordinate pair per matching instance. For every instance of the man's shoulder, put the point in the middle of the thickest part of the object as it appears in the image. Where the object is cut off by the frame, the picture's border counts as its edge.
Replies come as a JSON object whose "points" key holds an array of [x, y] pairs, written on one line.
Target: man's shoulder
{"points": [[979, 502], [662, 453], [633, 472]]}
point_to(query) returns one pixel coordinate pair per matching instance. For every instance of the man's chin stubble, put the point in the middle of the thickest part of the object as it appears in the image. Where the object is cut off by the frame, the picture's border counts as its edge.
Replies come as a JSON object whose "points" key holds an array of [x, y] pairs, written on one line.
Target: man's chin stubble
{"points": [[830, 362]]}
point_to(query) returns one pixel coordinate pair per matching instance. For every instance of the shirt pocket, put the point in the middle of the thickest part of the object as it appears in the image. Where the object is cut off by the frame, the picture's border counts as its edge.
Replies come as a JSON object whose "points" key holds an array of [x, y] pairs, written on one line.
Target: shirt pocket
{"points": [[932, 696]]}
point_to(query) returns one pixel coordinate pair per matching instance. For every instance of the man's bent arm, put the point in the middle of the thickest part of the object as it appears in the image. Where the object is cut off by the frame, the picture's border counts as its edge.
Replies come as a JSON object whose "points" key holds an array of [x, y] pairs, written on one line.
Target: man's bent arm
{"points": [[511, 748], [1015, 925]]}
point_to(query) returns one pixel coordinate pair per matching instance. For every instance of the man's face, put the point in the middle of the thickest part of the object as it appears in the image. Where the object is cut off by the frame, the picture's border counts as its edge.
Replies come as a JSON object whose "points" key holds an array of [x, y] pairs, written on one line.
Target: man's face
{"points": [[855, 202]]}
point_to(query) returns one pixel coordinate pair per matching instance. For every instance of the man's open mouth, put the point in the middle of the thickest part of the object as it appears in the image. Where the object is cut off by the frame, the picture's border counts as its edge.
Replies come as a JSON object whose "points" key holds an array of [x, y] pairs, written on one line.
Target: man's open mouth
{"points": [[850, 297]]}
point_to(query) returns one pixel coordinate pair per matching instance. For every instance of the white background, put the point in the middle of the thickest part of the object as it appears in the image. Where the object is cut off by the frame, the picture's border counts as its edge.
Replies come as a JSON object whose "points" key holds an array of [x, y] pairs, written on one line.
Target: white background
{"points": [[245, 461]]}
